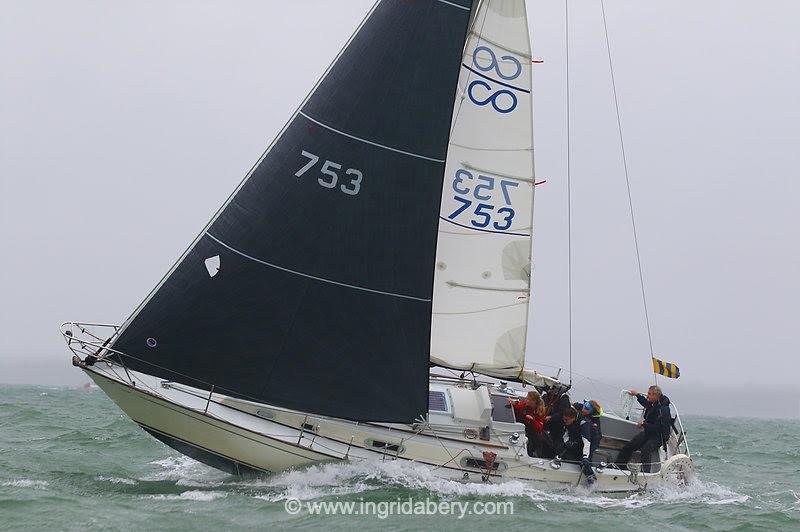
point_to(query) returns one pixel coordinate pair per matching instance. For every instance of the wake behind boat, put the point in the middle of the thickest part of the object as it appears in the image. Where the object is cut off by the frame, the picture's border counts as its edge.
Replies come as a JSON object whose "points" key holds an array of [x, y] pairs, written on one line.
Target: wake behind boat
{"points": [[387, 229]]}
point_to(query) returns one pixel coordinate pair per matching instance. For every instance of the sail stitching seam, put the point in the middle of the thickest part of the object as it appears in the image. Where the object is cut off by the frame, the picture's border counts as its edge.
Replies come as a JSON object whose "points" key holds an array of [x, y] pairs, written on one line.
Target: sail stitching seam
{"points": [[365, 141], [356, 287], [456, 284], [476, 148]]}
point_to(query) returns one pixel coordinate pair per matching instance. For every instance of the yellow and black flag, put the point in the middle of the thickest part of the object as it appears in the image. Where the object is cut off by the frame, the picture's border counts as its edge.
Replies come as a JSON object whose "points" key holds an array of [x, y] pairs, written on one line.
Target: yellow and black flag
{"points": [[666, 369]]}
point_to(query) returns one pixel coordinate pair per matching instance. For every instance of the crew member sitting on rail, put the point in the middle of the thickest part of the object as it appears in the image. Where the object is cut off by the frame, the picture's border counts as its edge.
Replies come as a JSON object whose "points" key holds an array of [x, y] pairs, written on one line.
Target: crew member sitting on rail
{"points": [[656, 422]]}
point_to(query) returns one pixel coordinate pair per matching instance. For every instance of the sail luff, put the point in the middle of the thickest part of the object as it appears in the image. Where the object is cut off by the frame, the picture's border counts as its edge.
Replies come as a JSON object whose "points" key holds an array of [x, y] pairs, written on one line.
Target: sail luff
{"points": [[523, 371]]}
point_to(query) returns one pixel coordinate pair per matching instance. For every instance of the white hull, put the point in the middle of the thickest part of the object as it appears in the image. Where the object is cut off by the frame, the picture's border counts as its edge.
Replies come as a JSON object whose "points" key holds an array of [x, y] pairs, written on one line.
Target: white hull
{"points": [[241, 436]]}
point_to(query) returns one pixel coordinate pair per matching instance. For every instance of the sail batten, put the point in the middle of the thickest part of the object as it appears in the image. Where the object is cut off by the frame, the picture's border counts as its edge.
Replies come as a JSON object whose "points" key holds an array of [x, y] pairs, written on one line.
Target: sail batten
{"points": [[477, 230], [470, 166], [331, 281], [453, 4], [371, 143]]}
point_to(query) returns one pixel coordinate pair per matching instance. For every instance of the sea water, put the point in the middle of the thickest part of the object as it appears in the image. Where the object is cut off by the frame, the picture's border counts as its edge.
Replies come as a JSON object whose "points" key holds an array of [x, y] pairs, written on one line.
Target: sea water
{"points": [[70, 460]]}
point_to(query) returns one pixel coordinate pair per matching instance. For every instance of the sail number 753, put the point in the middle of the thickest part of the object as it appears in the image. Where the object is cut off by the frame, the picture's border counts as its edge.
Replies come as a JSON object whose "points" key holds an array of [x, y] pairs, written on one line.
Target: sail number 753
{"points": [[330, 177], [483, 189]]}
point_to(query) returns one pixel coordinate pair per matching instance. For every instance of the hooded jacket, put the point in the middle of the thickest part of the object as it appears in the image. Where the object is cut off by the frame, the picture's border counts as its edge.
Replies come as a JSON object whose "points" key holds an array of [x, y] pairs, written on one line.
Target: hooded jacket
{"points": [[591, 431], [657, 416]]}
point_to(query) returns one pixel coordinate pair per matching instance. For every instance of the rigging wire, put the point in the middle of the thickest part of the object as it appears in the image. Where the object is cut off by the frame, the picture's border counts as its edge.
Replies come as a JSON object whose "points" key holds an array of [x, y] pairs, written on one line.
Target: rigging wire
{"points": [[628, 186], [569, 190]]}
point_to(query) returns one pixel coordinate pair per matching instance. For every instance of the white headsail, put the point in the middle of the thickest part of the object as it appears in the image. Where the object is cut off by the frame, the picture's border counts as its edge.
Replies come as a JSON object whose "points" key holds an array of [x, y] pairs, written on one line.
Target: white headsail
{"points": [[483, 262]]}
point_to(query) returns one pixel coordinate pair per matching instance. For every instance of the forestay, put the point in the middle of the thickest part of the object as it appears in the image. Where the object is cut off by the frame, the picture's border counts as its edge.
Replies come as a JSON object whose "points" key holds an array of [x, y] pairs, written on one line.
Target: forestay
{"points": [[311, 289], [483, 262]]}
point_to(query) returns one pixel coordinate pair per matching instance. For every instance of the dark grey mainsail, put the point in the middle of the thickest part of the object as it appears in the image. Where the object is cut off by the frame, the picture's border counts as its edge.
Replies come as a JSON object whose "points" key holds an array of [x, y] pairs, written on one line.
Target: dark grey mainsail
{"points": [[311, 289]]}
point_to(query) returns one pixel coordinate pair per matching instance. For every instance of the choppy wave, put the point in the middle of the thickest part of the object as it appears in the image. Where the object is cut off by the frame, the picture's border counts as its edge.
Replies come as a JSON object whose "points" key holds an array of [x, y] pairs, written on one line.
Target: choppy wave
{"points": [[116, 480], [185, 471], [339, 479], [77, 452], [194, 495], [26, 483]]}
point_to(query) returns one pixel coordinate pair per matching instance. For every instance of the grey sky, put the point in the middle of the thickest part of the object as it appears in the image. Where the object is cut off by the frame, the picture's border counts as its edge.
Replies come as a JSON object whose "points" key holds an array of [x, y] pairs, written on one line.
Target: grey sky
{"points": [[123, 126]]}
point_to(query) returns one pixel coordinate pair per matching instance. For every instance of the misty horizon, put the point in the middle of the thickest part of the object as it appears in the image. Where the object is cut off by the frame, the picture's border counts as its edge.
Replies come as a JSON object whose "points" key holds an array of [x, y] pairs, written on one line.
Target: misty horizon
{"points": [[119, 140]]}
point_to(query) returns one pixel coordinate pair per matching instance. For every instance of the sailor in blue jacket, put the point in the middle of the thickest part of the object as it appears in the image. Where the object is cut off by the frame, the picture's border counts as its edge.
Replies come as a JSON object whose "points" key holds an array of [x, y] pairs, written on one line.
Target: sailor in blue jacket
{"points": [[584, 436], [656, 422]]}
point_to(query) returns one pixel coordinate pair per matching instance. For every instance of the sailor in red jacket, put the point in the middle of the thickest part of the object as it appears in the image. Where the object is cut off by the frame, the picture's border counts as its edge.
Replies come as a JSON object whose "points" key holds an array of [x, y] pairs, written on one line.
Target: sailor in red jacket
{"points": [[531, 413]]}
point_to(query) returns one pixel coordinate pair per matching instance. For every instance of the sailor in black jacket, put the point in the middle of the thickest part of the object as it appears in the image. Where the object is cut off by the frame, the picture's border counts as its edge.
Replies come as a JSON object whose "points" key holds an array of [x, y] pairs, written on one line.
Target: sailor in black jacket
{"points": [[656, 422], [584, 435], [572, 448], [554, 423]]}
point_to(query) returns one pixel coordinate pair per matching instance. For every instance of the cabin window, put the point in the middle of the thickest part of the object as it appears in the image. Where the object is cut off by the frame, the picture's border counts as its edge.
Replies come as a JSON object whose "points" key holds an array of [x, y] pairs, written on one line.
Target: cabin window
{"points": [[437, 401], [385, 446], [477, 463], [502, 410]]}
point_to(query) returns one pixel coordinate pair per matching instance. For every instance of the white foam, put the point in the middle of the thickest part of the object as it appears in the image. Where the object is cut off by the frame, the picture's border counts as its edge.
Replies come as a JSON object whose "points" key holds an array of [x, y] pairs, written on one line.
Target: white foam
{"points": [[117, 480], [318, 481], [698, 491], [186, 472], [305, 493], [346, 478], [796, 497], [26, 483], [197, 483], [193, 495]]}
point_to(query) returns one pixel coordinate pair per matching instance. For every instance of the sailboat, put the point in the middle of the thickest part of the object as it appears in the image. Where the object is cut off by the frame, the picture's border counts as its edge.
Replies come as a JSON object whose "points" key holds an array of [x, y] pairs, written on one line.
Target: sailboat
{"points": [[364, 293]]}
